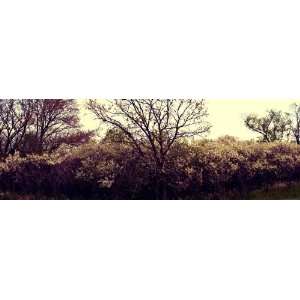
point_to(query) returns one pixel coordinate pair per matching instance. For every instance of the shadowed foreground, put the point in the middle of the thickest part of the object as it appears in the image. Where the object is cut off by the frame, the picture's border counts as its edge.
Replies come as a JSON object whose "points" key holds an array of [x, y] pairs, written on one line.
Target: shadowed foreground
{"points": [[283, 191]]}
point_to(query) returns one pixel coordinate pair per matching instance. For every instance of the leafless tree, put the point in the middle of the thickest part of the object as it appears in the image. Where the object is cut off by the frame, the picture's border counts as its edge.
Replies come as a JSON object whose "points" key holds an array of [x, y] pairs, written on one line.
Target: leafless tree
{"points": [[39, 125], [274, 126], [16, 116], [54, 120], [153, 125]]}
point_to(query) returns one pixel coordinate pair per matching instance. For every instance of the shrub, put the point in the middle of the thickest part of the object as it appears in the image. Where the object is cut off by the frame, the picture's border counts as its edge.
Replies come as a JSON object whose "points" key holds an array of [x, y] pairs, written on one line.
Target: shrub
{"points": [[220, 169]]}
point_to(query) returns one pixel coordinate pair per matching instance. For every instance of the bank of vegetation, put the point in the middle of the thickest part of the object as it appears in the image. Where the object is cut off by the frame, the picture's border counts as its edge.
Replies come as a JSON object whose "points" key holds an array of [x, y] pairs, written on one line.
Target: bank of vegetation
{"points": [[152, 149]]}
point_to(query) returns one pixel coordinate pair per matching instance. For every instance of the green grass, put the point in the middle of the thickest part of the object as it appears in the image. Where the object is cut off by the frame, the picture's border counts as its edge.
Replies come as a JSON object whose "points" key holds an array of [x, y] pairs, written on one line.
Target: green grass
{"points": [[277, 192]]}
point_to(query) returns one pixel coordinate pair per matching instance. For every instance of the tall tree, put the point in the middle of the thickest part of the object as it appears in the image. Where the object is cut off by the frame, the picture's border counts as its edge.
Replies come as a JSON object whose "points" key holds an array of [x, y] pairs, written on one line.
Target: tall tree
{"points": [[153, 125], [16, 116], [295, 122], [39, 125], [55, 119], [274, 126]]}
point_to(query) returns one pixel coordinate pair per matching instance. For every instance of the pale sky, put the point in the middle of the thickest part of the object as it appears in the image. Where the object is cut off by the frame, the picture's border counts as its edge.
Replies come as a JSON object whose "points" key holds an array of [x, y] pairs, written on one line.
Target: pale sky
{"points": [[226, 116]]}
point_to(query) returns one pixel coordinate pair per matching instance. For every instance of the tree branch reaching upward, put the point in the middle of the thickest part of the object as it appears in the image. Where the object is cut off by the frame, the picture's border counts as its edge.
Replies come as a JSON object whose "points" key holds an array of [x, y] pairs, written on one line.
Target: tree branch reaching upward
{"points": [[153, 124]]}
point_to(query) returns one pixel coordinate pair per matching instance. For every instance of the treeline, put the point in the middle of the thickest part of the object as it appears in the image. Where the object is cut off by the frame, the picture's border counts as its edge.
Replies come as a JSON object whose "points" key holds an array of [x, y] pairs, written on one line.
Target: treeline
{"points": [[148, 151]]}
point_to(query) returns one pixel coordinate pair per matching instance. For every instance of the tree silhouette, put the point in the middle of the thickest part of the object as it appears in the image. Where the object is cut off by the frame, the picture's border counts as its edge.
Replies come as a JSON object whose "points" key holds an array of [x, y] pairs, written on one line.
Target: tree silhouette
{"points": [[274, 126], [153, 126]]}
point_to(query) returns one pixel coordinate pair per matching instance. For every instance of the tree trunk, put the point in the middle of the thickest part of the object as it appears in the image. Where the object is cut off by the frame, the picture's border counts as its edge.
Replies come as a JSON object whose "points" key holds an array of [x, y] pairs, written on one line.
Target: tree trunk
{"points": [[161, 185]]}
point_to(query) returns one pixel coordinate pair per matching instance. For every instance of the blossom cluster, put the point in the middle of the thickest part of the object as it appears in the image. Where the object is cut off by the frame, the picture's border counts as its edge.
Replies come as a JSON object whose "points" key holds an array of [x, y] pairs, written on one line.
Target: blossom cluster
{"points": [[223, 168]]}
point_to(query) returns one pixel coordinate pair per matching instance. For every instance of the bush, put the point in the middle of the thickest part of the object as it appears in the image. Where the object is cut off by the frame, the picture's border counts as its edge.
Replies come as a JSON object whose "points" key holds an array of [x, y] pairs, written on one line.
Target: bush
{"points": [[220, 169]]}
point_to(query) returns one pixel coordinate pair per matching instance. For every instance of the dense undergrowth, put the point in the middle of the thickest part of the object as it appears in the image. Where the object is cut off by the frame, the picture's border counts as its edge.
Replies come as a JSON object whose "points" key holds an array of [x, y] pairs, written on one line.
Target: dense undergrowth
{"points": [[220, 169]]}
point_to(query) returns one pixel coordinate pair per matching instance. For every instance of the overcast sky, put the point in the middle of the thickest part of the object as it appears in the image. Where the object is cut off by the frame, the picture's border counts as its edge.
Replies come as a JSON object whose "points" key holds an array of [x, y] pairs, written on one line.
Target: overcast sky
{"points": [[226, 116]]}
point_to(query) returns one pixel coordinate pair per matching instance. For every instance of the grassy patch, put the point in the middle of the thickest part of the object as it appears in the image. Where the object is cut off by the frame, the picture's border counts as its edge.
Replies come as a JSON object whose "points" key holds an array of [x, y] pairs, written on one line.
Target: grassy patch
{"points": [[16, 196], [278, 191]]}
